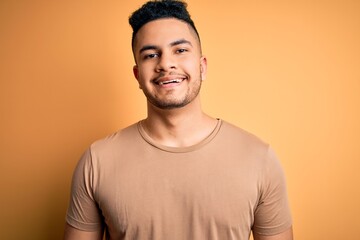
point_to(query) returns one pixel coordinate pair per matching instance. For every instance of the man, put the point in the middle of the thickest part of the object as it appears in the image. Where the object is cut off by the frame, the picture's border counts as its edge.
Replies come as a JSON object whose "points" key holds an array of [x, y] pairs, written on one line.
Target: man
{"points": [[179, 173]]}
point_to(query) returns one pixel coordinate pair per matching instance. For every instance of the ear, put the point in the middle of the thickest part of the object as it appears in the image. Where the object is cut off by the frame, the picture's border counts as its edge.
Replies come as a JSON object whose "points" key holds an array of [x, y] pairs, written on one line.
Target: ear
{"points": [[136, 74], [203, 67]]}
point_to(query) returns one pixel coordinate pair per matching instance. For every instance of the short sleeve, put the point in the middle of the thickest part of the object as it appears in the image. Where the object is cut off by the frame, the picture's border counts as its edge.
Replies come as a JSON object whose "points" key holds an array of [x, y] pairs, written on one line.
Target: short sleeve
{"points": [[83, 212], [272, 215]]}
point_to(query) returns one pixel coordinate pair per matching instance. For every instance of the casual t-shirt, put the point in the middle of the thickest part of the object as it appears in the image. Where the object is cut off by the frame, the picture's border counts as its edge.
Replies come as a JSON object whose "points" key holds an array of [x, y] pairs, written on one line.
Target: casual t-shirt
{"points": [[219, 189]]}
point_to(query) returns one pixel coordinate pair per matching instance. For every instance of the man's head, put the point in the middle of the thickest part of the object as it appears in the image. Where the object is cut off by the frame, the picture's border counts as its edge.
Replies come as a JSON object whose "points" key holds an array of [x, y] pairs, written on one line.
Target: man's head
{"points": [[160, 9], [169, 63]]}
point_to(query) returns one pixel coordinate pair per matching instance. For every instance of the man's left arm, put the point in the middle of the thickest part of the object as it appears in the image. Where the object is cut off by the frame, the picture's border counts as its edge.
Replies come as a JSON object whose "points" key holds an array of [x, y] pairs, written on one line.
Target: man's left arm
{"points": [[272, 219], [286, 235]]}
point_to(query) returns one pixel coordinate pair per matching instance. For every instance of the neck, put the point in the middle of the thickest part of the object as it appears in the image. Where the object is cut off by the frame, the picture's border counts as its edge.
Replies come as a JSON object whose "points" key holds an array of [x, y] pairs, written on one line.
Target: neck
{"points": [[179, 127]]}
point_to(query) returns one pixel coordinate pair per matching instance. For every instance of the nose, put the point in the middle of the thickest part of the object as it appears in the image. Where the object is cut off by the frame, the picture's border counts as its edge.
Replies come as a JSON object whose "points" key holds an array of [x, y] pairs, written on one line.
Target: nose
{"points": [[166, 62]]}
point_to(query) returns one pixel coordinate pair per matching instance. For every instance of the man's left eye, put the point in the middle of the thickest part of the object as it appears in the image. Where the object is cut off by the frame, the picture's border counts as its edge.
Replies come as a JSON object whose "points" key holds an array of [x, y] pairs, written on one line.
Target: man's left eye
{"points": [[181, 50]]}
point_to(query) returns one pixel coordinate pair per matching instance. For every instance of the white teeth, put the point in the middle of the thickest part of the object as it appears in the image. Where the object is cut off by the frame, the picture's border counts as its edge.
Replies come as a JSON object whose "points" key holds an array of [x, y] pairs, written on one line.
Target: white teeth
{"points": [[171, 81]]}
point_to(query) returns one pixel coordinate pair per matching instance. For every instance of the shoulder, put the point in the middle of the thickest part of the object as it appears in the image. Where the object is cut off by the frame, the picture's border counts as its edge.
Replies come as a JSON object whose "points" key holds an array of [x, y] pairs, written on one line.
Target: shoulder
{"points": [[116, 144], [115, 148], [121, 136], [241, 147], [234, 135]]}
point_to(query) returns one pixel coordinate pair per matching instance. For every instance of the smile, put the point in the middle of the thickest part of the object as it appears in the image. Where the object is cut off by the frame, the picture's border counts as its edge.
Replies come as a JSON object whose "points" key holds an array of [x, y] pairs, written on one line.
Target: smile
{"points": [[177, 80]]}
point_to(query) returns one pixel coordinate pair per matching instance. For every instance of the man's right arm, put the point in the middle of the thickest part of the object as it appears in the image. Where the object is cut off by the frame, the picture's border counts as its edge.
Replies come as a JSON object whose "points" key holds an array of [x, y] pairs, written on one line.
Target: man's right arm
{"points": [[72, 233], [83, 211]]}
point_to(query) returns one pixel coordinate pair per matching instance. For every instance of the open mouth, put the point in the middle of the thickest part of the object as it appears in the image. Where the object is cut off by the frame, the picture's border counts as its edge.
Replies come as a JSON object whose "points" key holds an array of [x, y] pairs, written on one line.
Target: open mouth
{"points": [[177, 80]]}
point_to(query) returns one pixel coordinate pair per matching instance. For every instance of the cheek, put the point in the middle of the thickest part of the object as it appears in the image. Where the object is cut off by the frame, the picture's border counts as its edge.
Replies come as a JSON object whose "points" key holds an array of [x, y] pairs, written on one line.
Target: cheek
{"points": [[145, 76], [142, 72], [191, 67]]}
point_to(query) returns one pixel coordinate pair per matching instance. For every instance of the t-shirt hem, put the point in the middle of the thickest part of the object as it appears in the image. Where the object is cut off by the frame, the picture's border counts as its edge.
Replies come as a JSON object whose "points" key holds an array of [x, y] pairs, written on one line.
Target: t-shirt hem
{"points": [[272, 230], [87, 227]]}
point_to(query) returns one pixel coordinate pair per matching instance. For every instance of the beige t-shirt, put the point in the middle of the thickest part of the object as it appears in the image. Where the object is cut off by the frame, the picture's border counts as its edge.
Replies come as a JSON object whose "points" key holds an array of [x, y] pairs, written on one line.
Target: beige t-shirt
{"points": [[220, 189]]}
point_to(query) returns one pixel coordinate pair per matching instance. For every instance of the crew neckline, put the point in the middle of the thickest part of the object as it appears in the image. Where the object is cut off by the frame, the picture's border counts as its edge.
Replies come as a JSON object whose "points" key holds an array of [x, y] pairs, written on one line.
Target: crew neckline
{"points": [[191, 148]]}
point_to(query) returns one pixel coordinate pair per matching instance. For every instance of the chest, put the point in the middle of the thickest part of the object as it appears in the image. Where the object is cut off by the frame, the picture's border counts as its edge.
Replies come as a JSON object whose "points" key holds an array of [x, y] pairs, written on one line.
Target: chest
{"points": [[201, 196]]}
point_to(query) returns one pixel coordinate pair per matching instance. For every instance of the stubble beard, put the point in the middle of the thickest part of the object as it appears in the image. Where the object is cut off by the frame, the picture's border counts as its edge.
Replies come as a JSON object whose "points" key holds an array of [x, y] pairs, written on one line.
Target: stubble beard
{"points": [[173, 102]]}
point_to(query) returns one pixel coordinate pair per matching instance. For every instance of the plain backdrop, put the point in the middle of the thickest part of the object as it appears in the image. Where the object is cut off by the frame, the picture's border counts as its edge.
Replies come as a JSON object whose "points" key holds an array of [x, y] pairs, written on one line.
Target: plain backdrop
{"points": [[287, 71]]}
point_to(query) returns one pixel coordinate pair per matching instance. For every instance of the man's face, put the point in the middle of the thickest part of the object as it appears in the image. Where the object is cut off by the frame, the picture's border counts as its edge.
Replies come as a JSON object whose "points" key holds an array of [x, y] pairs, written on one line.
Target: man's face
{"points": [[169, 63]]}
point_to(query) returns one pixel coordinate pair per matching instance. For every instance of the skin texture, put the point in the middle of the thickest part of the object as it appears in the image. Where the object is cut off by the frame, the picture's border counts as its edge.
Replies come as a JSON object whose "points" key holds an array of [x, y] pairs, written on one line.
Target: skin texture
{"points": [[163, 54], [167, 50]]}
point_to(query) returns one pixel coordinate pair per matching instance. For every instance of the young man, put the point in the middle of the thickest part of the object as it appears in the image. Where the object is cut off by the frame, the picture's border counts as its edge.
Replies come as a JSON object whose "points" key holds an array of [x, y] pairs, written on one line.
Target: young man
{"points": [[179, 173]]}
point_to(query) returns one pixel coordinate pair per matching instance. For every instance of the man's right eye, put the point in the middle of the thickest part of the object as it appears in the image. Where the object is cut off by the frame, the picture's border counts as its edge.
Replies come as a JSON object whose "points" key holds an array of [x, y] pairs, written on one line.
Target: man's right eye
{"points": [[151, 55]]}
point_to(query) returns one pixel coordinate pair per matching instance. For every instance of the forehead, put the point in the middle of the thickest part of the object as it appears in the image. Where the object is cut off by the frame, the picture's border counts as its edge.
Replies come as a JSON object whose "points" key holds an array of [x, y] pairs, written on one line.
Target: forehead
{"points": [[164, 31]]}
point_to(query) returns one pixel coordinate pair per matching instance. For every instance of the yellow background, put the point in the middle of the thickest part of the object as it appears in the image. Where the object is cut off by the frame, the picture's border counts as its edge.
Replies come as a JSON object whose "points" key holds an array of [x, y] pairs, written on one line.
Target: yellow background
{"points": [[288, 71]]}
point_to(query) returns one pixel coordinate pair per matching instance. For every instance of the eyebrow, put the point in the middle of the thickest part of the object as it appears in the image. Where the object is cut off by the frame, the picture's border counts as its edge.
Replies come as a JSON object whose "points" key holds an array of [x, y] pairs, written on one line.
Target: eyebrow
{"points": [[180, 41], [172, 44], [148, 47]]}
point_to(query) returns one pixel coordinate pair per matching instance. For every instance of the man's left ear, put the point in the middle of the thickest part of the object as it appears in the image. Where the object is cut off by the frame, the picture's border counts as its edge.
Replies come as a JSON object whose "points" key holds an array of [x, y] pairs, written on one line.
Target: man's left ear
{"points": [[203, 67]]}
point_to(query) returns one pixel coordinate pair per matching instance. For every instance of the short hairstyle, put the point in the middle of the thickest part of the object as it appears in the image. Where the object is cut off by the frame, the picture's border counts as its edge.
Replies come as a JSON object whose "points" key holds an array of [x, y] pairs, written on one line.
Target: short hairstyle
{"points": [[158, 9]]}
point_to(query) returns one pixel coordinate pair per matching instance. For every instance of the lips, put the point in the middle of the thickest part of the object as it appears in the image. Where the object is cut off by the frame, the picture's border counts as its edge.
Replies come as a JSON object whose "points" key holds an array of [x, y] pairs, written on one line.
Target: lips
{"points": [[178, 80], [168, 80]]}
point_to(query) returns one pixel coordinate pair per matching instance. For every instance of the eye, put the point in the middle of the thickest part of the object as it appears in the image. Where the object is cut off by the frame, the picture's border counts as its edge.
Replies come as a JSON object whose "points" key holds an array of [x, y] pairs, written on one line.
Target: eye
{"points": [[151, 55], [181, 50]]}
